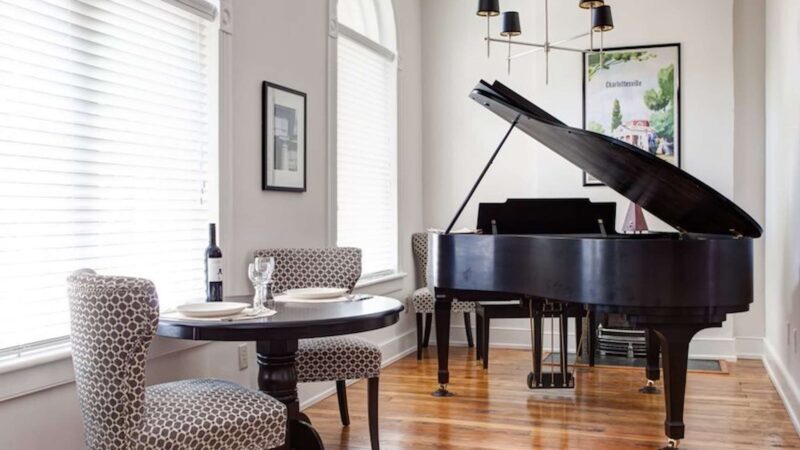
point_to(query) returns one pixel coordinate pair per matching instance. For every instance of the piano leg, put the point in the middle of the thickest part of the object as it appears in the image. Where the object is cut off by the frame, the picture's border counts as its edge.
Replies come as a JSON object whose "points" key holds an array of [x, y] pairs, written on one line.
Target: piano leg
{"points": [[675, 340], [653, 369], [442, 310]]}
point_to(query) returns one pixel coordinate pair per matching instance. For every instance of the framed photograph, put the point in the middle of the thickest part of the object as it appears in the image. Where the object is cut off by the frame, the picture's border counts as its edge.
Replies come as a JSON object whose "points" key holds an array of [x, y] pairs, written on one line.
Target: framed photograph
{"points": [[633, 94], [283, 134]]}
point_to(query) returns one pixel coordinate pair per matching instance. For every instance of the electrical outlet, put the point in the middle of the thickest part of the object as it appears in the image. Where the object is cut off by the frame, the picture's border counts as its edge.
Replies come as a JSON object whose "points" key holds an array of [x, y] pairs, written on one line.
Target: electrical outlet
{"points": [[794, 337], [243, 359], [788, 333]]}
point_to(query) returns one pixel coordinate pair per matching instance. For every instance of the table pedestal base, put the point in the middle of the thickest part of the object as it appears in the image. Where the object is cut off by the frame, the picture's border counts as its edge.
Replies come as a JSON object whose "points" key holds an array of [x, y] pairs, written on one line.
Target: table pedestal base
{"points": [[304, 436], [277, 376]]}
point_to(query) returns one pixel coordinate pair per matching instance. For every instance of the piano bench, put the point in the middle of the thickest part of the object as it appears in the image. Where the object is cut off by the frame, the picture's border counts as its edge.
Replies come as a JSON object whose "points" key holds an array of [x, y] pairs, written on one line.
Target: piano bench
{"points": [[488, 310]]}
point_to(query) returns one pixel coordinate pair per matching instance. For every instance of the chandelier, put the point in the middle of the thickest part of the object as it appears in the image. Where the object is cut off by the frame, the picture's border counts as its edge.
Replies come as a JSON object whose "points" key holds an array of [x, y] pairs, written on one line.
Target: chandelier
{"points": [[599, 22]]}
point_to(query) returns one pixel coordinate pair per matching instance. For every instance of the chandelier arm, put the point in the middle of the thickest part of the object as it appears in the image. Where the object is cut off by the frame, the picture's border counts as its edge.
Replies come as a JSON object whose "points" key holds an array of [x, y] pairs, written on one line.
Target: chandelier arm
{"points": [[567, 49], [573, 38], [523, 43], [528, 52]]}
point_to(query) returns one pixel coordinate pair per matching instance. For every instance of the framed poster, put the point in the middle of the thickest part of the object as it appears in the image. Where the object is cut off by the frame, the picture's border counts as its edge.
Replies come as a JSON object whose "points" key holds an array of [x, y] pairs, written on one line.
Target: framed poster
{"points": [[633, 94], [283, 135]]}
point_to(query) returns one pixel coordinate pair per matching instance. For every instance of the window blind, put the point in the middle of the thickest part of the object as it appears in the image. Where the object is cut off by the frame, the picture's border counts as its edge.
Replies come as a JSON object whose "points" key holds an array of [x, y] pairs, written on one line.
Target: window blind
{"points": [[105, 156], [366, 154]]}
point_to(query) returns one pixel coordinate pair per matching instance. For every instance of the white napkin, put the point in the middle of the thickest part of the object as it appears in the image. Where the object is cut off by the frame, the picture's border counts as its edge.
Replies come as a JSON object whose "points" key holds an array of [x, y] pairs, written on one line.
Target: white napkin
{"points": [[246, 314]]}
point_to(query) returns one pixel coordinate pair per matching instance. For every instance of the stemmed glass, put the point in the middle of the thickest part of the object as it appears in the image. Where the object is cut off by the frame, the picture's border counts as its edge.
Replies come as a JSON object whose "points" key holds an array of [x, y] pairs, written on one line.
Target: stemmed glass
{"points": [[260, 274]]}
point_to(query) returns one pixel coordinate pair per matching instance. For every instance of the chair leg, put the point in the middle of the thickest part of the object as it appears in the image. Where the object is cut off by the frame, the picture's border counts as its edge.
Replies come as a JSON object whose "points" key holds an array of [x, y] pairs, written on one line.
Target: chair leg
{"points": [[590, 337], [341, 394], [478, 335], [428, 322], [372, 412], [485, 349], [420, 332], [578, 332], [468, 327]]}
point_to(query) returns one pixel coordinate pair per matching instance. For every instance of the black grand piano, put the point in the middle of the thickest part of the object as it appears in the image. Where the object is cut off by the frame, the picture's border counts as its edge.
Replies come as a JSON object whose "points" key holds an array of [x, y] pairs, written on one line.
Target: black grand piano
{"points": [[671, 284]]}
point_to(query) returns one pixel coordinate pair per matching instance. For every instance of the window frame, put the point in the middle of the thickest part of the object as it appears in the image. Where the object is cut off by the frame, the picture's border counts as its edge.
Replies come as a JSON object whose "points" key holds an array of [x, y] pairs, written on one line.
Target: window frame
{"points": [[334, 30]]}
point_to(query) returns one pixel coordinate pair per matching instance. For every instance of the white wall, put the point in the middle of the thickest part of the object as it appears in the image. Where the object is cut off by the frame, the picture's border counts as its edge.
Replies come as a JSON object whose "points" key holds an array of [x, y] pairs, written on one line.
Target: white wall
{"points": [[459, 135], [749, 156], [284, 42], [782, 352]]}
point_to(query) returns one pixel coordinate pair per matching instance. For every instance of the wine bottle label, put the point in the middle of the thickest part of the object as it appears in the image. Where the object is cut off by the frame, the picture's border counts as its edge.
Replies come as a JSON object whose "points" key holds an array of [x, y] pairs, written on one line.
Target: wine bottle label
{"points": [[214, 270]]}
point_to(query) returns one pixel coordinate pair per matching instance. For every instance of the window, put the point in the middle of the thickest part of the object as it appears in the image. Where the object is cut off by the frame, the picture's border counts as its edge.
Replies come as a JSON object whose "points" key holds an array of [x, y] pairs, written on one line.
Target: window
{"points": [[366, 129], [107, 153]]}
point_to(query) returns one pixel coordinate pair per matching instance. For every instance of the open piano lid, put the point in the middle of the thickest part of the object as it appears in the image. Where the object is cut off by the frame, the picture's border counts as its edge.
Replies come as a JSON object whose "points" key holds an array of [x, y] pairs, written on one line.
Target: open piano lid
{"points": [[669, 193]]}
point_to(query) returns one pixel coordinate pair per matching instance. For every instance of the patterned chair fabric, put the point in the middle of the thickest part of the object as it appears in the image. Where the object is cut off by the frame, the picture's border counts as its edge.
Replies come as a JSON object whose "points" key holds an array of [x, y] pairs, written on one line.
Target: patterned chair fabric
{"points": [[206, 414], [113, 320], [423, 302], [334, 358], [422, 298], [337, 358], [296, 268]]}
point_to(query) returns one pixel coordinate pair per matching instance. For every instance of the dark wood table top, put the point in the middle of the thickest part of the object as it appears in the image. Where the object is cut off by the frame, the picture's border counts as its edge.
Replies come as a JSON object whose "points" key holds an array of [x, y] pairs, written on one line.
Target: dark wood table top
{"points": [[292, 321]]}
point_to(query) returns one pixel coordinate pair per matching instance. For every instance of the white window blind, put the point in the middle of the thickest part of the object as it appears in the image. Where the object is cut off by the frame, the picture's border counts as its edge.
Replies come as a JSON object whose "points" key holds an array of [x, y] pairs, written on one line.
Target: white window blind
{"points": [[107, 158], [367, 151]]}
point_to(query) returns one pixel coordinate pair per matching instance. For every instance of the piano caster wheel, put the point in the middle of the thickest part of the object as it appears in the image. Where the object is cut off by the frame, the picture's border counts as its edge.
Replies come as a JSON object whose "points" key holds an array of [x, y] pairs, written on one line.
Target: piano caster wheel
{"points": [[530, 380], [442, 391], [672, 444], [650, 388]]}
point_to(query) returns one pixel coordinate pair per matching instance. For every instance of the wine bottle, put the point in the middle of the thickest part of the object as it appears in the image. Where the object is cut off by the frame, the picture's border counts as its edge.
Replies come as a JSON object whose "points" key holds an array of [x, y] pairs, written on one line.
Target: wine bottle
{"points": [[213, 267]]}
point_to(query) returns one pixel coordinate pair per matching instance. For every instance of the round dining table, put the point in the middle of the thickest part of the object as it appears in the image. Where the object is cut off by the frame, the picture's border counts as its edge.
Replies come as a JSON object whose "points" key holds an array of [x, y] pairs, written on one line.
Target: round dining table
{"points": [[276, 339]]}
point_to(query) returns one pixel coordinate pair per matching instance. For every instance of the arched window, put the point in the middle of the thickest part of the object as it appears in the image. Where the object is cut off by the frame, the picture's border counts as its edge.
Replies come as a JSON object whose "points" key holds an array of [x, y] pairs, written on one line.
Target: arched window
{"points": [[366, 132]]}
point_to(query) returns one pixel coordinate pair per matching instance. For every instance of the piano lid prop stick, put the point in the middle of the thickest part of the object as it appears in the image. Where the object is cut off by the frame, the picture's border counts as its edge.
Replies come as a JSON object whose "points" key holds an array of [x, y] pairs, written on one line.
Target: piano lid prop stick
{"points": [[480, 178]]}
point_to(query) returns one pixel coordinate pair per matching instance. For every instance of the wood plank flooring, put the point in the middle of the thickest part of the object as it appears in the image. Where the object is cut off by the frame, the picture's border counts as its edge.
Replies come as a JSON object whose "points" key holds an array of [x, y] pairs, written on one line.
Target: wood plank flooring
{"points": [[494, 409]]}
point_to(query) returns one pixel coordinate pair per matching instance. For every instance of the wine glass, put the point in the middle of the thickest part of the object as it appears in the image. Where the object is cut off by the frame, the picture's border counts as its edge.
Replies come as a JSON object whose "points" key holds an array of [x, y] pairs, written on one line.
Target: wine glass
{"points": [[260, 274], [265, 265]]}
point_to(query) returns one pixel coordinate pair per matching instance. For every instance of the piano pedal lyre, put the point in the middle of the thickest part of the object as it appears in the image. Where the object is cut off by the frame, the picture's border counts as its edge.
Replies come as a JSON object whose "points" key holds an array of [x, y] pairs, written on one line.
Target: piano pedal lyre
{"points": [[540, 378]]}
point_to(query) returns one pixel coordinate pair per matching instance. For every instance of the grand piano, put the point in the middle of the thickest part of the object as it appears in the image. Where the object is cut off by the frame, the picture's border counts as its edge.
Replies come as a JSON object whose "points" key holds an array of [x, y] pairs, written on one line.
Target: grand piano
{"points": [[673, 284]]}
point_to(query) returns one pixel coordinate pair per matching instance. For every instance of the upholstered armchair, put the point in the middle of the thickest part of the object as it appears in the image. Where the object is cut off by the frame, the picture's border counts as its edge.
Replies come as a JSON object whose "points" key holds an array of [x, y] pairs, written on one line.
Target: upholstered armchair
{"points": [[423, 300], [113, 320], [335, 358]]}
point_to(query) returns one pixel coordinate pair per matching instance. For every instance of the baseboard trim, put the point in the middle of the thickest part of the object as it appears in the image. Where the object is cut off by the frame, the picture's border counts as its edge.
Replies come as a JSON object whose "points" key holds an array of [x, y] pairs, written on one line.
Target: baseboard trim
{"points": [[749, 347], [406, 344], [787, 388]]}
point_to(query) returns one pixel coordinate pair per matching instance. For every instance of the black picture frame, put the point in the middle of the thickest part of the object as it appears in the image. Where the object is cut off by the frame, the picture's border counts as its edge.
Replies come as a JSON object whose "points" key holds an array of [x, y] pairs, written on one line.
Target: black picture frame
{"points": [[679, 129], [269, 171]]}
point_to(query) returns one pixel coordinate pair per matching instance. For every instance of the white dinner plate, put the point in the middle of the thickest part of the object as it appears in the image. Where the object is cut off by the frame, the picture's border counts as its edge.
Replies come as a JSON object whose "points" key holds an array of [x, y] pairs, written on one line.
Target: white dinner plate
{"points": [[316, 293], [212, 309]]}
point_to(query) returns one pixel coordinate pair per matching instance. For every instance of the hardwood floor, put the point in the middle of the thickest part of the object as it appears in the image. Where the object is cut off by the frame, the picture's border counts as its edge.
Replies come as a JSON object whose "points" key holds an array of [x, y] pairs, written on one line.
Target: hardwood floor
{"points": [[495, 410]]}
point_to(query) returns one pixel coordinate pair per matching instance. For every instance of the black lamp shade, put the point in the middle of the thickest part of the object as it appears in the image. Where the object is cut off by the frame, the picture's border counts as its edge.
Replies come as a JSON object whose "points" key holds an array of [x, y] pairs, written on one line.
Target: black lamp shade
{"points": [[601, 19], [488, 7], [511, 26], [586, 4]]}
